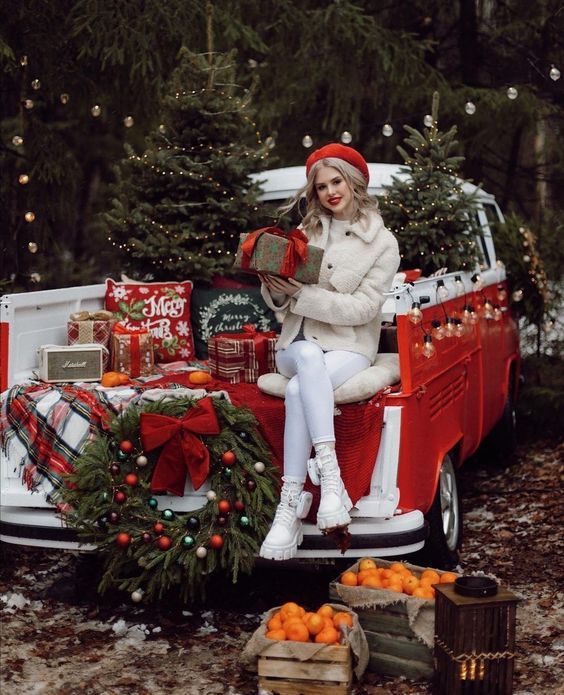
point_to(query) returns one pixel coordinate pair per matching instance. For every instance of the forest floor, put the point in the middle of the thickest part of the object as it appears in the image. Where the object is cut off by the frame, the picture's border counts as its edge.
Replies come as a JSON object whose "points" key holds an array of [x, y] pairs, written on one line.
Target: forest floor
{"points": [[58, 637]]}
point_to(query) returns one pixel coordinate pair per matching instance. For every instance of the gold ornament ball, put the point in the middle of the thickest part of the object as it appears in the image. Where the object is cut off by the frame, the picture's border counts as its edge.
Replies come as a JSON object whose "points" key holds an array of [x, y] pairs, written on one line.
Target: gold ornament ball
{"points": [[29, 216], [23, 179], [32, 247], [35, 277], [128, 121], [17, 140], [29, 103], [96, 110]]}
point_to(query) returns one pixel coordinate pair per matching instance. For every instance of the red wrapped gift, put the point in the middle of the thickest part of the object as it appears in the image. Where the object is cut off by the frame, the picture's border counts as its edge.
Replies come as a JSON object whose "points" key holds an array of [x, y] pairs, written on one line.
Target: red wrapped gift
{"points": [[85, 327], [275, 252], [132, 350], [237, 357]]}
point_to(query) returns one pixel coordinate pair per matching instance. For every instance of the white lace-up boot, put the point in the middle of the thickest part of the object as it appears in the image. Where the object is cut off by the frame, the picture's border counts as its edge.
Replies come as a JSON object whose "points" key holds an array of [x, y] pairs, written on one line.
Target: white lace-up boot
{"points": [[281, 542], [335, 501]]}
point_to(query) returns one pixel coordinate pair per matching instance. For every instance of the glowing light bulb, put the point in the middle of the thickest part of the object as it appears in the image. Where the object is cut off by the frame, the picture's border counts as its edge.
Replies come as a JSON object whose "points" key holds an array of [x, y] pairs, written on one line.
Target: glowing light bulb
{"points": [[346, 137], [449, 327], [428, 349], [517, 296], [387, 130], [501, 293], [488, 309], [438, 332], [428, 120], [23, 179], [96, 110], [415, 314], [29, 216], [307, 141], [470, 108], [477, 281], [442, 291], [512, 93], [554, 73], [458, 285], [459, 329], [497, 313]]}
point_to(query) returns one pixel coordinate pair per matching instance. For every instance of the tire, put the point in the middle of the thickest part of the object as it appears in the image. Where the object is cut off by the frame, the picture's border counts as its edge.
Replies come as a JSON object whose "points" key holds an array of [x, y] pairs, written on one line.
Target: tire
{"points": [[502, 440], [445, 520]]}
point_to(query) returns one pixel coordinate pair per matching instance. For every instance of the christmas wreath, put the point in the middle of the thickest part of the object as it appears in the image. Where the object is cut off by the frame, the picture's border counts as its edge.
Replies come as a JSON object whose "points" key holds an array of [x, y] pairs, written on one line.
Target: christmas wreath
{"points": [[113, 501]]}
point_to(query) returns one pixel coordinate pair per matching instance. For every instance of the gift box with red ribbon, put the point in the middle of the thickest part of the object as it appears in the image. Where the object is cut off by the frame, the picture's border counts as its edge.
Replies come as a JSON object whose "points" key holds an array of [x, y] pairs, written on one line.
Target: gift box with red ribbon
{"points": [[85, 327], [132, 350], [275, 252], [237, 357]]}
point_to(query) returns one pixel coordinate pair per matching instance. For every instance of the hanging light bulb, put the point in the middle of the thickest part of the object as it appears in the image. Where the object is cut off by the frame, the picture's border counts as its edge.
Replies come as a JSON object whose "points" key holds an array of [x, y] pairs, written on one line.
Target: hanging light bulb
{"points": [[488, 309], [428, 120], [554, 73], [477, 281], [128, 121], [346, 137], [497, 313], [23, 179], [458, 285], [438, 332], [270, 142], [548, 325], [29, 216], [470, 108], [387, 130], [64, 97], [517, 296], [466, 313], [415, 314], [442, 291], [307, 141], [501, 293], [428, 349], [512, 93], [449, 327], [96, 110], [474, 318], [459, 329]]}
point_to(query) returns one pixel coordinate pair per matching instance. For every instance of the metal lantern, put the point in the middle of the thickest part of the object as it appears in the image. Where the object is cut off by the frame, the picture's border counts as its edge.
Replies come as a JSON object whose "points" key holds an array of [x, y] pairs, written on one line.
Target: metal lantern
{"points": [[474, 638]]}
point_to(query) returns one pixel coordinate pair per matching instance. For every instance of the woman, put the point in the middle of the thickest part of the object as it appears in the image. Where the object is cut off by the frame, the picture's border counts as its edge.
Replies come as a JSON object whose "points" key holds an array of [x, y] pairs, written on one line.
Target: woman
{"points": [[329, 333]]}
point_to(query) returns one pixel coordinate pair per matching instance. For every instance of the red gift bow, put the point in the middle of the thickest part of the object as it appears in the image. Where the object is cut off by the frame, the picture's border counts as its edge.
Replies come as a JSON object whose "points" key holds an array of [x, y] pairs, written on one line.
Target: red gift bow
{"points": [[183, 450], [120, 329], [259, 338], [296, 251]]}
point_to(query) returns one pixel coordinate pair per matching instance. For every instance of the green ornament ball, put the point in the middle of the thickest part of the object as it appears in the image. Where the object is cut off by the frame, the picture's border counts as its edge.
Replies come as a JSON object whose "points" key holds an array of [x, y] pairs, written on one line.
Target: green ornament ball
{"points": [[226, 472], [153, 503], [168, 514], [122, 455], [244, 521], [188, 541], [105, 497]]}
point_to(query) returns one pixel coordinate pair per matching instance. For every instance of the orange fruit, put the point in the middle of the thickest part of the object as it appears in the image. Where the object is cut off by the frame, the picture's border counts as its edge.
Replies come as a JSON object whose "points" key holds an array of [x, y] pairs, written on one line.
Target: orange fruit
{"points": [[342, 618], [296, 631], [306, 616], [366, 573], [385, 573], [274, 623], [367, 563], [448, 578], [432, 574], [427, 581], [372, 582], [409, 583], [111, 379], [326, 611], [288, 609], [315, 623], [276, 634], [421, 592], [328, 635], [199, 377], [398, 567], [349, 578]]}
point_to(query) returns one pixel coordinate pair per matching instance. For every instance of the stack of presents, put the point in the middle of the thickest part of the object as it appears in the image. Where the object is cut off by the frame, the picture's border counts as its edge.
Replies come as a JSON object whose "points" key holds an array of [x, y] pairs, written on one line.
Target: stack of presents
{"points": [[227, 327]]}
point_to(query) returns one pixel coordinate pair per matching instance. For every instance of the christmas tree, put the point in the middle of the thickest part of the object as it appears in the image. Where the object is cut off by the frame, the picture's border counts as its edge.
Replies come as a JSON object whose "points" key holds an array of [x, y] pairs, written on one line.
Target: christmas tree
{"points": [[427, 208], [180, 206]]}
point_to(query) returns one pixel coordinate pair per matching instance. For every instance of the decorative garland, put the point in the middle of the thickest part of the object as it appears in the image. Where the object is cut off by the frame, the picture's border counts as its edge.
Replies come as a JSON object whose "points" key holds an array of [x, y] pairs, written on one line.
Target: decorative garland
{"points": [[148, 547]]}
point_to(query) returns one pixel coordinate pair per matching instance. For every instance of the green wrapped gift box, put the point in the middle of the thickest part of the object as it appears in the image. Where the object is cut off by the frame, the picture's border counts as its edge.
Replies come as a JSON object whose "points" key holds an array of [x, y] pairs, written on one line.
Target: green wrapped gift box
{"points": [[273, 252]]}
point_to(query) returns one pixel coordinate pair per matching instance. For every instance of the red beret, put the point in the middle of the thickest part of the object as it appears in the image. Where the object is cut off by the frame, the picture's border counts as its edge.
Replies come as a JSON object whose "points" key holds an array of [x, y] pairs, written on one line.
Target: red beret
{"points": [[338, 151]]}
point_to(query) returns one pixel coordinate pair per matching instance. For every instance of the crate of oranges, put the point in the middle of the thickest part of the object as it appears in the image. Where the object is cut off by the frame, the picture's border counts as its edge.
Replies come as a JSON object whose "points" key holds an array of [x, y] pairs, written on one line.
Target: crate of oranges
{"points": [[395, 605], [308, 652]]}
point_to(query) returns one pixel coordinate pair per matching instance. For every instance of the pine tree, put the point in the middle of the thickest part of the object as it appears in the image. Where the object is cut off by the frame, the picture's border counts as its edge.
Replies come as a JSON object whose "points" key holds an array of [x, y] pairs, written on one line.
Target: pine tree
{"points": [[427, 208], [181, 205]]}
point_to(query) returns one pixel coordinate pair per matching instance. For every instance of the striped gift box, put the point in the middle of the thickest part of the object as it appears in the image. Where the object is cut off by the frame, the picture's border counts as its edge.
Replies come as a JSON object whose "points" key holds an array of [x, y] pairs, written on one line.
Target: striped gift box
{"points": [[234, 359]]}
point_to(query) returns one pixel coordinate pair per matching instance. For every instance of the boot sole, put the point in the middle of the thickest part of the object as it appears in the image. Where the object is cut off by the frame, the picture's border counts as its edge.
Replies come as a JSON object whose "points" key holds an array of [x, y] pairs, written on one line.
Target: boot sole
{"points": [[339, 518], [276, 553]]}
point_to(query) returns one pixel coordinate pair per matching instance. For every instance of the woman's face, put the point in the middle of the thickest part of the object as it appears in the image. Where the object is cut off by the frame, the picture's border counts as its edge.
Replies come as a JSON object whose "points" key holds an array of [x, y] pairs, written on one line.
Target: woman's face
{"points": [[334, 193]]}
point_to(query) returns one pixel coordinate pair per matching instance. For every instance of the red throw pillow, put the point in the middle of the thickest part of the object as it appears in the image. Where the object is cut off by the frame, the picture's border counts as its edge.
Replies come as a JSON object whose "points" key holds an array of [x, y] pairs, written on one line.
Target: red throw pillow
{"points": [[163, 308]]}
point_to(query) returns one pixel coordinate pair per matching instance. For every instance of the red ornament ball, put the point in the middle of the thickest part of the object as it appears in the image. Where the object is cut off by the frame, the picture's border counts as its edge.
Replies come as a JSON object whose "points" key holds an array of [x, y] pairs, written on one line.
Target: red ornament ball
{"points": [[126, 446], [120, 497], [123, 539], [131, 479], [164, 542], [216, 541], [239, 505], [158, 527], [228, 458], [224, 506]]}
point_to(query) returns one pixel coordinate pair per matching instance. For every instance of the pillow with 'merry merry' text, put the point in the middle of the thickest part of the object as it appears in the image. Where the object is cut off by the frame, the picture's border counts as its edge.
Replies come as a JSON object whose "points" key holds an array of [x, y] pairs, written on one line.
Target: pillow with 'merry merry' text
{"points": [[163, 308]]}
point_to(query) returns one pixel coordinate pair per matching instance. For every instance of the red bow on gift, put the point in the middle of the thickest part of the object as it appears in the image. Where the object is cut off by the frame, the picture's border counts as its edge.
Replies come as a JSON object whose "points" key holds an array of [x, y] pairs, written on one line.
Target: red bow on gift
{"points": [[296, 251], [128, 330], [183, 450]]}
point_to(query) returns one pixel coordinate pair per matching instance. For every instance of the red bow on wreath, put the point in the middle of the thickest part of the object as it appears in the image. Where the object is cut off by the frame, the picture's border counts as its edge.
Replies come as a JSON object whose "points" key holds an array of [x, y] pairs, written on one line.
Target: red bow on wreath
{"points": [[183, 450]]}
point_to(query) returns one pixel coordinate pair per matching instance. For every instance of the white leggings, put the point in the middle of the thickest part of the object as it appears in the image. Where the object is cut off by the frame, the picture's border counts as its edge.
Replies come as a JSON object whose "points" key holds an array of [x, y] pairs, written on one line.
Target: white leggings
{"points": [[310, 402]]}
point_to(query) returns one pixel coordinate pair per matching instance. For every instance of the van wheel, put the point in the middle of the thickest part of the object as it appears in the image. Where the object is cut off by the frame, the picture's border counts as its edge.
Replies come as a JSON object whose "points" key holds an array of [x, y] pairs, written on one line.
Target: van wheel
{"points": [[502, 440], [445, 520]]}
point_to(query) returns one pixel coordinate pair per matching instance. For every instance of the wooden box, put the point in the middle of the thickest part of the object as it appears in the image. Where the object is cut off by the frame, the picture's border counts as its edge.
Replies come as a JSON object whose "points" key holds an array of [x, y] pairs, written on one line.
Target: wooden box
{"points": [[325, 672], [395, 648]]}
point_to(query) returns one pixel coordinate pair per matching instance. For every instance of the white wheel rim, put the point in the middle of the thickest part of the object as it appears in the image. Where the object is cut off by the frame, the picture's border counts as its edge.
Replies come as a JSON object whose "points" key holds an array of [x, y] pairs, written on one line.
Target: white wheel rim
{"points": [[449, 504]]}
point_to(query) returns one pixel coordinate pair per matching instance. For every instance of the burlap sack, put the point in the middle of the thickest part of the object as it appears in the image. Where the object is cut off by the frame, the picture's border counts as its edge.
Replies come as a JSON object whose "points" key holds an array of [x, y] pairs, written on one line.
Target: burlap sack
{"points": [[303, 651]]}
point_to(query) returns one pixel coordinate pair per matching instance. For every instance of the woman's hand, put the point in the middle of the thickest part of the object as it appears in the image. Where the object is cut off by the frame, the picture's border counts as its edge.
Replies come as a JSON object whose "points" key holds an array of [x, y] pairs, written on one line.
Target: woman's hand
{"points": [[280, 285]]}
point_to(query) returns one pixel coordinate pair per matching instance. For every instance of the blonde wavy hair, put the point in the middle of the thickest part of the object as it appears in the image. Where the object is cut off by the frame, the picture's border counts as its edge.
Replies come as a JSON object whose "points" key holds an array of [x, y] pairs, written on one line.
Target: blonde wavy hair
{"points": [[362, 202]]}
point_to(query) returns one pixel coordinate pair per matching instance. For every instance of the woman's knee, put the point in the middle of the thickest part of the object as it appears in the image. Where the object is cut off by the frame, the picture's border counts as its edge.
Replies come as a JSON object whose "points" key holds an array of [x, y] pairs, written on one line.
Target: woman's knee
{"points": [[293, 389], [310, 356]]}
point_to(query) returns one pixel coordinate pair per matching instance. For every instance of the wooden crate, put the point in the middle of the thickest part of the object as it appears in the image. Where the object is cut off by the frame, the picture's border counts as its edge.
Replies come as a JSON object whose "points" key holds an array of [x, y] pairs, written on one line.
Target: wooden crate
{"points": [[395, 650], [327, 672]]}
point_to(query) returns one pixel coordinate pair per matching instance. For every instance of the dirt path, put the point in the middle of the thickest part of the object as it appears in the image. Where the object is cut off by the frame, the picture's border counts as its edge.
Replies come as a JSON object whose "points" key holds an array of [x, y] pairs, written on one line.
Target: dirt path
{"points": [[60, 638]]}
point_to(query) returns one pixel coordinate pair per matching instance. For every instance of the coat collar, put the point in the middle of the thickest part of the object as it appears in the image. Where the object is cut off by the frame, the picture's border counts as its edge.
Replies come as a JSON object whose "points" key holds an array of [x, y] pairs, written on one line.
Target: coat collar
{"points": [[366, 229]]}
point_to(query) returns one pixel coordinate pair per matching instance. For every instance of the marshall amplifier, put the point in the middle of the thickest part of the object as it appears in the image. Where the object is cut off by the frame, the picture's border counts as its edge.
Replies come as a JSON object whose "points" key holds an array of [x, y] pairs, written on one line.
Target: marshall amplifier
{"points": [[61, 363]]}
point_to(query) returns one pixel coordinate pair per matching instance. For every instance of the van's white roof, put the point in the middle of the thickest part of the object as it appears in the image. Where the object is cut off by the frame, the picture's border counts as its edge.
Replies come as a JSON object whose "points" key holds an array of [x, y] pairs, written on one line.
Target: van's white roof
{"points": [[280, 184]]}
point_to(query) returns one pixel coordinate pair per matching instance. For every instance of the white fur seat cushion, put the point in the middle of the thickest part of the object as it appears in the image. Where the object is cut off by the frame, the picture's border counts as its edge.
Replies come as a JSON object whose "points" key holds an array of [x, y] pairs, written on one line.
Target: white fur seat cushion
{"points": [[362, 386]]}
